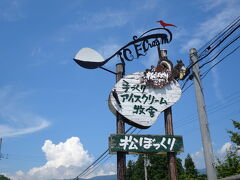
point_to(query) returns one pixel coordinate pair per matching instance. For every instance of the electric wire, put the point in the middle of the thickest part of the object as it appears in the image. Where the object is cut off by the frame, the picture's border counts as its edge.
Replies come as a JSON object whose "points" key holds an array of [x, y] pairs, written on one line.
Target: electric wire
{"points": [[216, 37], [98, 165], [219, 43], [230, 100], [100, 158], [214, 108], [221, 35], [206, 72], [212, 59], [94, 167]]}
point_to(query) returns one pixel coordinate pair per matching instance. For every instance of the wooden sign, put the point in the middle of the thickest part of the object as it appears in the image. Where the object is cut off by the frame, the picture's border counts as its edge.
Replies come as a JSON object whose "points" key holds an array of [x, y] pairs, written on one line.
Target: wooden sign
{"points": [[141, 104], [145, 143]]}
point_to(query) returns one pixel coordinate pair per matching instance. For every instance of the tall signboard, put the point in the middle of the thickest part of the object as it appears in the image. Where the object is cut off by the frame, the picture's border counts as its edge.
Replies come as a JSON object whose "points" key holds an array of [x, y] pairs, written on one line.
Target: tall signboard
{"points": [[139, 98]]}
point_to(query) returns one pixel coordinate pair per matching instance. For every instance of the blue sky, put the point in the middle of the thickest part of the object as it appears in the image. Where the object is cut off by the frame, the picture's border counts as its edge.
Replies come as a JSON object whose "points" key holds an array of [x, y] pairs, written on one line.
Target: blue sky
{"points": [[54, 115]]}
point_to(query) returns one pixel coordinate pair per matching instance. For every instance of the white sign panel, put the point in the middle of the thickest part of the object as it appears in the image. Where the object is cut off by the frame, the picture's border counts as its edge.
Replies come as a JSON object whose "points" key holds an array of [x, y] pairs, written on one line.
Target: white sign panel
{"points": [[141, 104]]}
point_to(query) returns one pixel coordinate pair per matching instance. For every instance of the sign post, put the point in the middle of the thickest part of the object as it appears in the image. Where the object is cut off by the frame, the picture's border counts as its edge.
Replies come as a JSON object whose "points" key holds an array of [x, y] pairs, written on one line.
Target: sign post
{"points": [[171, 156], [121, 156], [139, 98]]}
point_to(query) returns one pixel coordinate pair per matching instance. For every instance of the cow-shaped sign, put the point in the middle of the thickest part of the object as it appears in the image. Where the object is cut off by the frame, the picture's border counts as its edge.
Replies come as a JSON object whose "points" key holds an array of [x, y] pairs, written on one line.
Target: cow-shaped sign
{"points": [[139, 103]]}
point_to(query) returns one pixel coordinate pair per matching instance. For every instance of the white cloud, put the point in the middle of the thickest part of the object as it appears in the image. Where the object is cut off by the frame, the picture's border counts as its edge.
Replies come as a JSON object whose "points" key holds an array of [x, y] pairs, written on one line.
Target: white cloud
{"points": [[148, 4], [36, 52], [206, 30], [225, 148], [70, 153], [14, 120], [152, 58], [198, 157], [10, 10], [193, 43], [216, 84], [211, 4], [64, 160], [109, 48], [106, 19], [6, 131], [213, 25]]}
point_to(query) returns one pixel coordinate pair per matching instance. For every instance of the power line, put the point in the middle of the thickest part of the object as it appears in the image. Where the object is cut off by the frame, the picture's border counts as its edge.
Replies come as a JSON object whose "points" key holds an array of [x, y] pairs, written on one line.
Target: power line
{"points": [[212, 59], [217, 36], [206, 72], [223, 38], [99, 159], [209, 49], [96, 167]]}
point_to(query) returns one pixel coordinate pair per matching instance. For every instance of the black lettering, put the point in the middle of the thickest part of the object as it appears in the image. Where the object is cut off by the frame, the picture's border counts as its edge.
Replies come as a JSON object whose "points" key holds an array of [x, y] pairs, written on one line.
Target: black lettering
{"points": [[145, 45], [119, 53], [137, 49], [127, 51]]}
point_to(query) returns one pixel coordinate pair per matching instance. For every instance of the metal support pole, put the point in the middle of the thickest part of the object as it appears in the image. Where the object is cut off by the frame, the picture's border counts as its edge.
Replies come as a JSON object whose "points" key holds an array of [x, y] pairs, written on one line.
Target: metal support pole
{"points": [[203, 121], [121, 157], [145, 166]]}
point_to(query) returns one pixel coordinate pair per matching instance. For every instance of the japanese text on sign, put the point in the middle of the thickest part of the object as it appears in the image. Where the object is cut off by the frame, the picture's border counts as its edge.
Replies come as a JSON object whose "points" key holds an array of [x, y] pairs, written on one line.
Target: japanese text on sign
{"points": [[144, 104], [130, 142], [145, 143]]}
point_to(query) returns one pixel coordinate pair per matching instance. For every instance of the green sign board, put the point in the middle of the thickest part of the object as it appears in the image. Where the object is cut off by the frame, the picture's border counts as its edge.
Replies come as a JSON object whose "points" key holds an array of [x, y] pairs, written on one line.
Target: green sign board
{"points": [[144, 143]]}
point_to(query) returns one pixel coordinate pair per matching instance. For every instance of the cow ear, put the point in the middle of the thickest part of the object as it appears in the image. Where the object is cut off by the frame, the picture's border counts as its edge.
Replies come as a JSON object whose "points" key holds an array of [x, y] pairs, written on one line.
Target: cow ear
{"points": [[167, 64], [179, 61]]}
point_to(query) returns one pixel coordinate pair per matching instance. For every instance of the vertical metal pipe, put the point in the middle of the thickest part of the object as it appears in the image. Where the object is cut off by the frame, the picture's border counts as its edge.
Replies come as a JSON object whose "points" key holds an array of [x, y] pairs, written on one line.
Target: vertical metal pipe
{"points": [[145, 166]]}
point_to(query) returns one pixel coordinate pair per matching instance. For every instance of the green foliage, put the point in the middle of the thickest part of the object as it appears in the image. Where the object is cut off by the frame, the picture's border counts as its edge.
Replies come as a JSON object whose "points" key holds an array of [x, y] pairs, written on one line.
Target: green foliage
{"points": [[2, 177], [202, 177], [190, 170], [230, 165], [235, 136], [158, 168], [135, 170]]}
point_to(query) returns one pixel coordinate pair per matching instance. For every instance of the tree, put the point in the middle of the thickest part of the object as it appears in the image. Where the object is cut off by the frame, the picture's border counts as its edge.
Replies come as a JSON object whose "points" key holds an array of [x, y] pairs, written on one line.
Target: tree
{"points": [[230, 165], [135, 170], [190, 170], [156, 170], [235, 136], [2, 177]]}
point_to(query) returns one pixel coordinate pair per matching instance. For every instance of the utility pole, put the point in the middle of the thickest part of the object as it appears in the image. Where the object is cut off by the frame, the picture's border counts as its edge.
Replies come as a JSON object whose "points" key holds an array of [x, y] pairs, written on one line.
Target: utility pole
{"points": [[1, 156], [121, 157], [145, 166], [171, 156], [203, 121]]}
